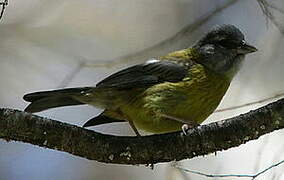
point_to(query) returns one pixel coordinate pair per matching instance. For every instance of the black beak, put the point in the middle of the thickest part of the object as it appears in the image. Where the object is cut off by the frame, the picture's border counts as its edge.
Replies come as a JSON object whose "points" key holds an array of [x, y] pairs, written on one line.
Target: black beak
{"points": [[246, 48]]}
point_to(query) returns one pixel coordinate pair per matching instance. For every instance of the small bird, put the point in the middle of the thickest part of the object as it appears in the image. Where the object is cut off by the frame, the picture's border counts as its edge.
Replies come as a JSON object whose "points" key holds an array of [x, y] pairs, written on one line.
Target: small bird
{"points": [[170, 93]]}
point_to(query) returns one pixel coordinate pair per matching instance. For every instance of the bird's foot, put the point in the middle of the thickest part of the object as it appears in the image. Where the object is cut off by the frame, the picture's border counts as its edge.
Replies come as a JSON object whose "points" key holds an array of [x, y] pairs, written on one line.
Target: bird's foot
{"points": [[186, 127], [188, 124], [151, 165]]}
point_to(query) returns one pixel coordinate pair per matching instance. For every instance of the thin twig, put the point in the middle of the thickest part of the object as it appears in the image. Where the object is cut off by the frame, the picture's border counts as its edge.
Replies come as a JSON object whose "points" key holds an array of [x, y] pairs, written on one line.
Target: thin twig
{"points": [[251, 103], [69, 77], [264, 5], [275, 7], [260, 152], [253, 176], [277, 155]]}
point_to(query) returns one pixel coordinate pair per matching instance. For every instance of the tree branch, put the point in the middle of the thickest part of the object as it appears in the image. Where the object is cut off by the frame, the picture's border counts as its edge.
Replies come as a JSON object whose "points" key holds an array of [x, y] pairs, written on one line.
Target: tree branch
{"points": [[205, 139]]}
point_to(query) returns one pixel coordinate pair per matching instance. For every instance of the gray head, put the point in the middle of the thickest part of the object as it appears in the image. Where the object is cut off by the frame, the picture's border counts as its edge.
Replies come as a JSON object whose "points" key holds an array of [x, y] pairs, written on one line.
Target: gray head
{"points": [[223, 49]]}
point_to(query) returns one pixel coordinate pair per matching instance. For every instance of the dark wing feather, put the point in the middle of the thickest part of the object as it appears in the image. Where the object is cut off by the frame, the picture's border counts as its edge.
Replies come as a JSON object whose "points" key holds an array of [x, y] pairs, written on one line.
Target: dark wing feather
{"points": [[145, 75], [101, 119]]}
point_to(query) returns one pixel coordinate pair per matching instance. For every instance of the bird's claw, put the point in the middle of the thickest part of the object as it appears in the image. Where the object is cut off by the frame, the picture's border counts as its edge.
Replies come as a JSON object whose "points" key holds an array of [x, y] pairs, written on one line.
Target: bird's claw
{"points": [[185, 128]]}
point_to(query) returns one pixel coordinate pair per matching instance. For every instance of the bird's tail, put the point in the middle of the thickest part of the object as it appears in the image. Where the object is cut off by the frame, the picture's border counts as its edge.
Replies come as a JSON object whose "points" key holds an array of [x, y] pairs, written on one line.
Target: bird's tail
{"points": [[43, 100]]}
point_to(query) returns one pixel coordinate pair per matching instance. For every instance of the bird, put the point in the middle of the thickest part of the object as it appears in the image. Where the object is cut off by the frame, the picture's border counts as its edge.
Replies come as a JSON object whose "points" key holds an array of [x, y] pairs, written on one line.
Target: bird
{"points": [[169, 93]]}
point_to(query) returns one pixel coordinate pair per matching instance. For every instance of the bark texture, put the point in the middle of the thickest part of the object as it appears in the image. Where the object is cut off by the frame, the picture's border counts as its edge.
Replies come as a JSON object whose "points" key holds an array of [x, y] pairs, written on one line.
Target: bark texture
{"points": [[20, 126]]}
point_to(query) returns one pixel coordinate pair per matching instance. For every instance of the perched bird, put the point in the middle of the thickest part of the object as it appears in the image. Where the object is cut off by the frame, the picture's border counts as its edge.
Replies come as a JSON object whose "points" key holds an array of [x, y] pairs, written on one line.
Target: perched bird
{"points": [[163, 94]]}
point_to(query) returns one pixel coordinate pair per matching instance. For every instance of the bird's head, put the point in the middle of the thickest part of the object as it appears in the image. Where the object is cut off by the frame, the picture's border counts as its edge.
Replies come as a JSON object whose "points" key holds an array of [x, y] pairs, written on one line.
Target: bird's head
{"points": [[223, 49]]}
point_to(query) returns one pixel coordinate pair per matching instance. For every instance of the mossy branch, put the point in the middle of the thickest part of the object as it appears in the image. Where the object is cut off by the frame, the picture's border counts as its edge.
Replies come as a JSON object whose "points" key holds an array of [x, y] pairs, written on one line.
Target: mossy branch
{"points": [[20, 126]]}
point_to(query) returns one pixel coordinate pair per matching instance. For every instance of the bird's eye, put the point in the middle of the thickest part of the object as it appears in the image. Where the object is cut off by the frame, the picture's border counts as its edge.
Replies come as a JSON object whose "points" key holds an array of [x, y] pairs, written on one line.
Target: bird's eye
{"points": [[228, 44]]}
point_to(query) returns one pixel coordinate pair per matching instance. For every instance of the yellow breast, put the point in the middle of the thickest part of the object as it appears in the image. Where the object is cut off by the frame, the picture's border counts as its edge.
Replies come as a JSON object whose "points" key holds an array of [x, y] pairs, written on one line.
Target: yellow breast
{"points": [[192, 99], [204, 91]]}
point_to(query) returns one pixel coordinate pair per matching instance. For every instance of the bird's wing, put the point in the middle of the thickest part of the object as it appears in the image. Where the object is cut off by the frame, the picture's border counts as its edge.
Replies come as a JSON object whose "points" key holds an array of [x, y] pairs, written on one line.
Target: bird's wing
{"points": [[144, 75]]}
